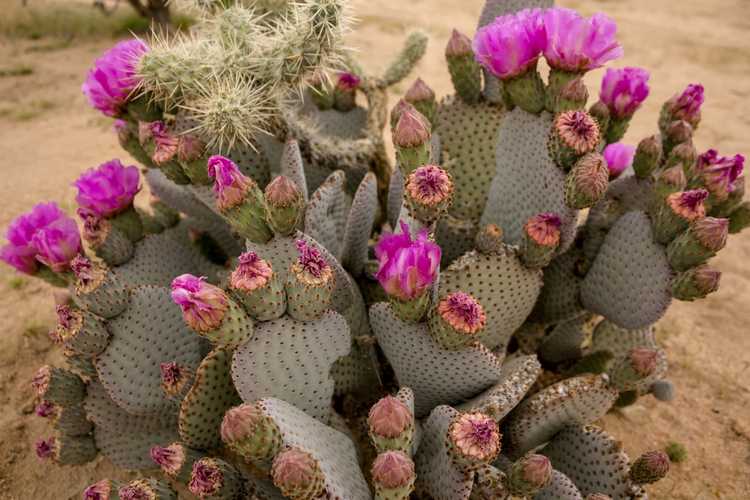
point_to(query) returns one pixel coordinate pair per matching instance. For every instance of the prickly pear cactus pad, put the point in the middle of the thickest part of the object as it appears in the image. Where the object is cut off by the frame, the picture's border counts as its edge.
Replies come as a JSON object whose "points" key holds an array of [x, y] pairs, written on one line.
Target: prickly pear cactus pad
{"points": [[299, 313]]}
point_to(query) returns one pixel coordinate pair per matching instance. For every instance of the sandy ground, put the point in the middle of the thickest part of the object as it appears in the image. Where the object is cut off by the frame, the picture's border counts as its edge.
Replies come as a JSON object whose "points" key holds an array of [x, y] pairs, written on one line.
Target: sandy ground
{"points": [[48, 135]]}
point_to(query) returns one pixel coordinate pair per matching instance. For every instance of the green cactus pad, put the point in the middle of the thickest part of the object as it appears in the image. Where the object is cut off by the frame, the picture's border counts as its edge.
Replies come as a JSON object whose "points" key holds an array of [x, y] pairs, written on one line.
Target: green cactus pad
{"points": [[518, 374], [293, 167], [468, 134], [435, 375], [593, 460], [559, 299], [71, 421], [159, 258], [333, 450], [125, 439], [455, 237], [505, 288], [574, 401], [355, 373], [527, 182], [359, 225], [107, 299], [291, 360], [149, 332], [325, 218], [204, 406], [629, 282], [437, 476], [251, 161], [559, 488], [565, 341]]}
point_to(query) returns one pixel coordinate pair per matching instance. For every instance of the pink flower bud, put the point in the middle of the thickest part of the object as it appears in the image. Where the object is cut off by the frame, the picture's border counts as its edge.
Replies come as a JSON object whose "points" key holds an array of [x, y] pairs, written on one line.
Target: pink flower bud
{"points": [[624, 90], [643, 361], [688, 204], [294, 470], [393, 469], [577, 130], [463, 312], [544, 229], [203, 305], [251, 273], [711, 232], [206, 479], [458, 45], [169, 458], [230, 185], [412, 129], [389, 417], [419, 91]]}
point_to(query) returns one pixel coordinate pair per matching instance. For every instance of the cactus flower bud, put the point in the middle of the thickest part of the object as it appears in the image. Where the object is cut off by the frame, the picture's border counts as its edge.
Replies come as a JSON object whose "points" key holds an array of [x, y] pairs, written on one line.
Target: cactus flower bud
{"points": [[649, 467], [643, 361], [698, 243], [251, 434], [509, 48], [573, 134], [391, 425], [696, 283], [398, 109], [285, 205], [191, 153], [214, 478], [600, 113], [684, 106], [257, 287], [489, 239], [647, 157], [678, 211], [81, 331], [719, 173], [310, 284], [345, 91], [45, 409], [529, 475], [203, 305], [411, 137], [639, 364], [587, 181], [541, 238], [573, 96], [102, 490], [297, 474], [677, 132], [407, 268], [623, 90], [175, 379], [619, 158], [175, 460], [429, 190], [474, 439], [393, 475], [670, 180], [457, 321], [110, 83], [464, 70]]}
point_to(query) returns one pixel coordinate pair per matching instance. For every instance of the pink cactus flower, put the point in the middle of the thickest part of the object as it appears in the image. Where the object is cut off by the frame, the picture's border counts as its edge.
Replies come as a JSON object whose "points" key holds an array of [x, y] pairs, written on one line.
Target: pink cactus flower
{"points": [[687, 105], [544, 229], [719, 173], [463, 312], [107, 189], [619, 157], [230, 185], [113, 78], [203, 305], [170, 458], [475, 436], [348, 81], [206, 479], [165, 143], [578, 44], [252, 273], [688, 204], [624, 90], [98, 491], [407, 267], [511, 45], [57, 244]]}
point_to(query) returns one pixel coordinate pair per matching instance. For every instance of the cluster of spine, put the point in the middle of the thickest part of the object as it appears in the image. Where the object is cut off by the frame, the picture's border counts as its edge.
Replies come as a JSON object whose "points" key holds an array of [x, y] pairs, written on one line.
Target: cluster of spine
{"points": [[274, 327]]}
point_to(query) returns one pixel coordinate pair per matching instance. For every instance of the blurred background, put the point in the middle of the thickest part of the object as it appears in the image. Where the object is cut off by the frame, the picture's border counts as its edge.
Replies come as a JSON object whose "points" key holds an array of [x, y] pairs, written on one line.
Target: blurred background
{"points": [[48, 135]]}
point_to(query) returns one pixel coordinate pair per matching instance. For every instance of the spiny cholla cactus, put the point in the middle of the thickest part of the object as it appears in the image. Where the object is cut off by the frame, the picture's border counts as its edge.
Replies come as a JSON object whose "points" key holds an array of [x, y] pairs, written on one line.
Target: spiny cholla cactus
{"points": [[448, 333]]}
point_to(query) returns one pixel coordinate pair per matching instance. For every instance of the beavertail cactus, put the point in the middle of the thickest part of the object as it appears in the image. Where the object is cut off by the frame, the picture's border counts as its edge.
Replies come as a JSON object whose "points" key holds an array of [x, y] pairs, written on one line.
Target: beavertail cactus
{"points": [[298, 315]]}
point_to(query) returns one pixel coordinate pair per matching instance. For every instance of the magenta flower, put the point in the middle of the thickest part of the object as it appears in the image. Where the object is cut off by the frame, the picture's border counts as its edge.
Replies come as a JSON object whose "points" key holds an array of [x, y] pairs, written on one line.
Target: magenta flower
{"points": [[348, 81], [107, 189], [407, 267], [230, 185], [203, 305], [624, 90], [45, 235], [510, 45], [687, 105], [112, 79], [619, 157], [719, 173], [577, 44]]}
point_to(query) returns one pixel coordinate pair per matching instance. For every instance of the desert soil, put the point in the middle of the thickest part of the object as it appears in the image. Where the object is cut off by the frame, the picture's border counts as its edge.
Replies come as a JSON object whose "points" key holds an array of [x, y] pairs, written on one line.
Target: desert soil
{"points": [[48, 135]]}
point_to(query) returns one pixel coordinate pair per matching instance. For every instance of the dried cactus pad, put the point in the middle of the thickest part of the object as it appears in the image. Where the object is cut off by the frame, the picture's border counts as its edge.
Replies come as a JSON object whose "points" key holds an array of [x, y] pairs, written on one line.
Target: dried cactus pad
{"points": [[211, 395], [161, 257], [291, 360], [325, 218], [574, 401], [126, 439], [527, 182], [436, 474], [505, 288], [518, 374], [629, 281], [334, 451], [559, 488], [593, 460], [435, 375], [149, 332], [468, 133]]}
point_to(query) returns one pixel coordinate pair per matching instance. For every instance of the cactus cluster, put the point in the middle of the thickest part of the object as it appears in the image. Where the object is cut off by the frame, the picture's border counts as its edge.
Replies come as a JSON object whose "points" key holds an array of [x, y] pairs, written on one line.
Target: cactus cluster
{"points": [[294, 318]]}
